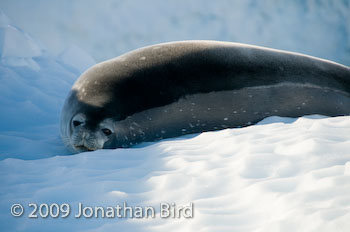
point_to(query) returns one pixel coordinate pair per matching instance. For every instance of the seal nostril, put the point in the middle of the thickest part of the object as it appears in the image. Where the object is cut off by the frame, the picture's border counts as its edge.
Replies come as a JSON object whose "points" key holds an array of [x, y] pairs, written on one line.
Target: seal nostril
{"points": [[76, 123]]}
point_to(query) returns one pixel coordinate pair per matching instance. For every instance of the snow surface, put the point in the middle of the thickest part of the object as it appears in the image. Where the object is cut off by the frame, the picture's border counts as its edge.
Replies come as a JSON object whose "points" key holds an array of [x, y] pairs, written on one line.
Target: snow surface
{"points": [[281, 175], [34, 84]]}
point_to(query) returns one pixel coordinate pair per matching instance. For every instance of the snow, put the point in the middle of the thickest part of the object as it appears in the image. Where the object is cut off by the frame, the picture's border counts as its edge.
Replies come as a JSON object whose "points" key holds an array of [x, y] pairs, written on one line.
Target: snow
{"points": [[77, 58], [18, 44], [284, 174], [104, 30], [34, 84]]}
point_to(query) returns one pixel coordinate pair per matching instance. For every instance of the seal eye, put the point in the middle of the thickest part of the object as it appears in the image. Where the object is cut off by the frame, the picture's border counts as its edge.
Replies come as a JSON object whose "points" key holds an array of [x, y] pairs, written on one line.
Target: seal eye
{"points": [[106, 131], [76, 123]]}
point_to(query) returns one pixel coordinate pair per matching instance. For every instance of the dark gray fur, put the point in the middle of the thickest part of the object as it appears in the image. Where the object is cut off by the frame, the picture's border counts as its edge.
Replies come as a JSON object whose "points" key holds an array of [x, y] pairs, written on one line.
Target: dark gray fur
{"points": [[178, 88]]}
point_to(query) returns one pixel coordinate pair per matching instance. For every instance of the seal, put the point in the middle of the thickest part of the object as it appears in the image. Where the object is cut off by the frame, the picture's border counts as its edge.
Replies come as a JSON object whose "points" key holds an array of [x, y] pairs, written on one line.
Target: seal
{"points": [[178, 88]]}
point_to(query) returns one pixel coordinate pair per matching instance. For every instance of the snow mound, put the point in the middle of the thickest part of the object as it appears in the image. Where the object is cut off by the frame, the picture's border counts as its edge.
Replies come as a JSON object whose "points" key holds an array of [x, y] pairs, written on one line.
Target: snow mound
{"points": [[33, 87], [282, 176]]}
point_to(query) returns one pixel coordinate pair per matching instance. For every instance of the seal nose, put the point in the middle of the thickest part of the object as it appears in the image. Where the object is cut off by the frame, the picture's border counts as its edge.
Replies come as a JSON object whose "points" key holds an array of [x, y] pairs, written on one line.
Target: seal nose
{"points": [[85, 144], [85, 135]]}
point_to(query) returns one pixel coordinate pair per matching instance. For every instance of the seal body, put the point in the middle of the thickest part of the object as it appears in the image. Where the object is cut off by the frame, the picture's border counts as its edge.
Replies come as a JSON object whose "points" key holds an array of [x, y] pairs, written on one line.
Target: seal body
{"points": [[178, 88]]}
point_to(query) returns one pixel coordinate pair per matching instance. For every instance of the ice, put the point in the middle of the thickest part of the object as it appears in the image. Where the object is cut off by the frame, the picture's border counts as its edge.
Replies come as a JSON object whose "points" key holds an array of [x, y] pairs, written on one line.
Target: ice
{"points": [[4, 20], [77, 58], [18, 44], [283, 174], [313, 27], [34, 84], [17, 47]]}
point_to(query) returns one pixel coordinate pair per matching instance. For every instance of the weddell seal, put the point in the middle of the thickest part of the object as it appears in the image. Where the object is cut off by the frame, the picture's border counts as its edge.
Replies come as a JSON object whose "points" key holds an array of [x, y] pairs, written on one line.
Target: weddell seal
{"points": [[178, 88]]}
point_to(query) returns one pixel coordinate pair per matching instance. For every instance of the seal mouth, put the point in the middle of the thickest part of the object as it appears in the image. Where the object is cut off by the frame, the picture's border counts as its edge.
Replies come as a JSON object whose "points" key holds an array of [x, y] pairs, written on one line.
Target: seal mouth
{"points": [[83, 148]]}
